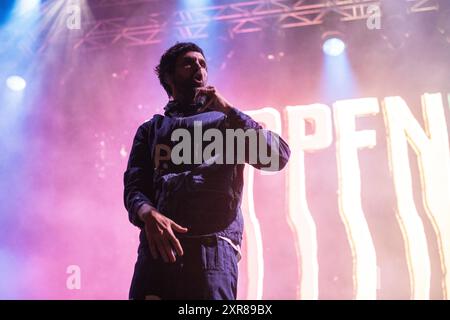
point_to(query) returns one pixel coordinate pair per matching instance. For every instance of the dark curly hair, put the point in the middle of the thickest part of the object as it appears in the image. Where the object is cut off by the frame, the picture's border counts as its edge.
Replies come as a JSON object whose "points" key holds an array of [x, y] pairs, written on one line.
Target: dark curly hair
{"points": [[168, 60]]}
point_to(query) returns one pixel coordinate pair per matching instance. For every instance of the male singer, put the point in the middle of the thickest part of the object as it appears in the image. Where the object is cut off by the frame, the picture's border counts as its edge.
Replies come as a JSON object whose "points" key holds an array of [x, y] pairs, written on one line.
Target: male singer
{"points": [[188, 206]]}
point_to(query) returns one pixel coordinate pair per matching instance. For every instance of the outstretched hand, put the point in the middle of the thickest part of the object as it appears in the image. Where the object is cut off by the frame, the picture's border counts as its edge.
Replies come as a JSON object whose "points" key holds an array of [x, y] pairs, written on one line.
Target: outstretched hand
{"points": [[160, 232]]}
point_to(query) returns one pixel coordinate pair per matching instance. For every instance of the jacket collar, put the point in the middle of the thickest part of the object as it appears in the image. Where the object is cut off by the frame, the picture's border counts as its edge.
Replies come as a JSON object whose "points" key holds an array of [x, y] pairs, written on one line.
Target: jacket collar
{"points": [[176, 109]]}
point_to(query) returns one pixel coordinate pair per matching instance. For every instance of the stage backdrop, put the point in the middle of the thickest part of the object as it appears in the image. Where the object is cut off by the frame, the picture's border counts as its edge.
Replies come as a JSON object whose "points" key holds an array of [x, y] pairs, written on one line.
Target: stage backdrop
{"points": [[362, 211]]}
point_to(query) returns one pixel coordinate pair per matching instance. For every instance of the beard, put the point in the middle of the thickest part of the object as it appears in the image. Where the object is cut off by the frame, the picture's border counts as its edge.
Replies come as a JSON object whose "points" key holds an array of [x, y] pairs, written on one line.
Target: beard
{"points": [[189, 85]]}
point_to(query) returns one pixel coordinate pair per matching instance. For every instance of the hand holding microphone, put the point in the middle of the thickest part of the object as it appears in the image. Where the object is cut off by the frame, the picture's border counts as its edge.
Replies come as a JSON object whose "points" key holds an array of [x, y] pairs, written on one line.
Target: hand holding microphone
{"points": [[211, 99]]}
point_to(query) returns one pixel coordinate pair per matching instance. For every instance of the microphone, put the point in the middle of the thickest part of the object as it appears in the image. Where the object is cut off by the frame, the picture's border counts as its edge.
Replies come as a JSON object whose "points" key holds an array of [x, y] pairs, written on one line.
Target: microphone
{"points": [[200, 101]]}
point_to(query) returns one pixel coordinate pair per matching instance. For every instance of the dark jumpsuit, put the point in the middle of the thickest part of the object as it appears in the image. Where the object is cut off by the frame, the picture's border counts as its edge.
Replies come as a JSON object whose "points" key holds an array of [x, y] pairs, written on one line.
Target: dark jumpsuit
{"points": [[205, 198]]}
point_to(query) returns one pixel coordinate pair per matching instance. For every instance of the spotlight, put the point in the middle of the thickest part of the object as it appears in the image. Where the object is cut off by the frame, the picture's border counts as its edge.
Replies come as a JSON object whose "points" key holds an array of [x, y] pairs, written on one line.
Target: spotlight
{"points": [[26, 6], [196, 3], [16, 83], [333, 43]]}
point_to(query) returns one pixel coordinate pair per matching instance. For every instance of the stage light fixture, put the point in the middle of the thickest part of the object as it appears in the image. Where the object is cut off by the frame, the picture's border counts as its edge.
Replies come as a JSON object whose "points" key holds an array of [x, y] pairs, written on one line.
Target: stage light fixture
{"points": [[16, 83], [333, 43]]}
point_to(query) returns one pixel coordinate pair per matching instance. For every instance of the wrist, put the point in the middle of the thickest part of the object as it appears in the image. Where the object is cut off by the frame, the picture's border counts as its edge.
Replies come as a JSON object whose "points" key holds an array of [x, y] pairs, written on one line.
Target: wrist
{"points": [[145, 212]]}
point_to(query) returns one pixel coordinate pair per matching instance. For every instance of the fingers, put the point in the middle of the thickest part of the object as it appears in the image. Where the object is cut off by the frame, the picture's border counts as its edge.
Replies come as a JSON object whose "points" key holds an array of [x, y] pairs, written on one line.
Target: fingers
{"points": [[173, 239], [177, 245], [178, 228], [209, 91], [162, 250], [165, 247], [171, 242], [162, 240], [166, 250], [170, 253]]}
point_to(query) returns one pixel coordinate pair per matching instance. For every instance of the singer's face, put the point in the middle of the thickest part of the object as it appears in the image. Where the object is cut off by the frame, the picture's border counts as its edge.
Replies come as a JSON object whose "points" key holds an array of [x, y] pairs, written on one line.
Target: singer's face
{"points": [[190, 71]]}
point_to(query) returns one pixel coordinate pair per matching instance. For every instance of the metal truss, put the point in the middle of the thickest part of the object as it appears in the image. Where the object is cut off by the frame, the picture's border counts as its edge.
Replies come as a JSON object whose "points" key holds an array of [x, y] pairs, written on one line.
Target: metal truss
{"points": [[235, 18], [113, 3]]}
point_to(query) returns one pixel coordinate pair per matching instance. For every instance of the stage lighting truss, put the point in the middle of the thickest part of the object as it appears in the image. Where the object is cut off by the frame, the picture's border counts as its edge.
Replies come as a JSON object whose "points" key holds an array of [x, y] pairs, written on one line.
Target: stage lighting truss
{"points": [[113, 3], [236, 17]]}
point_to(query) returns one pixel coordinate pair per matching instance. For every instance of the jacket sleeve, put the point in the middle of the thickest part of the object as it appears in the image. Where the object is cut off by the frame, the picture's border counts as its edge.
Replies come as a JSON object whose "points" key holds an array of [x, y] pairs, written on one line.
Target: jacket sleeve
{"points": [[279, 149], [138, 177]]}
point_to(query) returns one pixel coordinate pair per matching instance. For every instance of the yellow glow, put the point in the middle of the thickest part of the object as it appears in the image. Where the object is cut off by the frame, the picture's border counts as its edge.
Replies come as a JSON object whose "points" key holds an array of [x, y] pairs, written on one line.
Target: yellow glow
{"points": [[348, 141], [252, 230], [432, 149], [299, 216]]}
